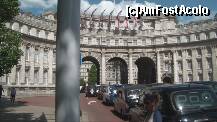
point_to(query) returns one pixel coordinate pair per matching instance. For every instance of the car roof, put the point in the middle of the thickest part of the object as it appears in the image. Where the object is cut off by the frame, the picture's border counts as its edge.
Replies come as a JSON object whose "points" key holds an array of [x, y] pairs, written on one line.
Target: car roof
{"points": [[179, 87], [203, 82]]}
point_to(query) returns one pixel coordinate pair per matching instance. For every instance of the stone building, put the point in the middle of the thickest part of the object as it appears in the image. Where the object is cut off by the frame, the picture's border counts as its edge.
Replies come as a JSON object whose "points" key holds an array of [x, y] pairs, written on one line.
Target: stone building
{"points": [[151, 49]]}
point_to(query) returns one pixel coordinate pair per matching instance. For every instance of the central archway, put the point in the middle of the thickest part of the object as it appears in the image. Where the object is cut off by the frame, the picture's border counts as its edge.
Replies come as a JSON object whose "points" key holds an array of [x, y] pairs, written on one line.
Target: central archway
{"points": [[146, 70], [117, 71], [95, 62]]}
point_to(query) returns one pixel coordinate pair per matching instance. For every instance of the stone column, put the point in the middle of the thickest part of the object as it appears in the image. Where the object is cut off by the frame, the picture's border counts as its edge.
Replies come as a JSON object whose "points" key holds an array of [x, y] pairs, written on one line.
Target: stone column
{"points": [[158, 68], [22, 68], [130, 69], [184, 63], [175, 73], [31, 61], [194, 64], [50, 66], [214, 63], [103, 67], [41, 72], [204, 64]]}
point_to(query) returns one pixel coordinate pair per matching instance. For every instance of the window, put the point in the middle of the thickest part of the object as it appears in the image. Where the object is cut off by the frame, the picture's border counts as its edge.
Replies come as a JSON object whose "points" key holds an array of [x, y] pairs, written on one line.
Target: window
{"points": [[36, 76], [46, 56], [166, 66], [189, 53], [199, 52], [152, 42], [178, 40], [209, 63], [125, 43], [54, 58], [36, 56], [165, 41], [180, 65], [197, 37], [199, 64], [189, 63], [116, 42], [45, 76], [180, 78], [26, 75], [144, 42], [200, 76], [18, 76], [89, 40], [187, 39], [27, 53], [190, 77], [135, 42], [180, 53], [98, 41], [210, 76], [54, 77], [209, 51]]}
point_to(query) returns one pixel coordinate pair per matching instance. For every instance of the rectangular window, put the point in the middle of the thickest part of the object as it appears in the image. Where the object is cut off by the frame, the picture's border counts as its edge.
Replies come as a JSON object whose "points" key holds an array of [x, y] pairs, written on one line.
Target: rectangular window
{"points": [[210, 76], [178, 40], [190, 77], [199, 64], [187, 39], [36, 76], [134, 42], [27, 53], [199, 52], [209, 63], [166, 66], [189, 63], [200, 76], [36, 56], [45, 56], [180, 65], [189, 53], [180, 78], [180, 53], [45, 76], [26, 75]]}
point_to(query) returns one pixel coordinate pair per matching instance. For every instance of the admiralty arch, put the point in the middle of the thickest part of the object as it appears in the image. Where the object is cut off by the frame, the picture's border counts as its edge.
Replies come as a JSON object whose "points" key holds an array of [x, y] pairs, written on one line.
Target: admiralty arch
{"points": [[151, 49]]}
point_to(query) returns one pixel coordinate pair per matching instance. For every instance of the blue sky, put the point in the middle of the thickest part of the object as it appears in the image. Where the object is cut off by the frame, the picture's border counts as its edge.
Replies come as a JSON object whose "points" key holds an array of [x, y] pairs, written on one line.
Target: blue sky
{"points": [[38, 6]]}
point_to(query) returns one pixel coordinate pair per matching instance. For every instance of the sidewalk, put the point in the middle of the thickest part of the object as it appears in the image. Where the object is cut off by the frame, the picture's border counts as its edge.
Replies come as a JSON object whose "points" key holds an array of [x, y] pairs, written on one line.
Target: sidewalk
{"points": [[21, 112]]}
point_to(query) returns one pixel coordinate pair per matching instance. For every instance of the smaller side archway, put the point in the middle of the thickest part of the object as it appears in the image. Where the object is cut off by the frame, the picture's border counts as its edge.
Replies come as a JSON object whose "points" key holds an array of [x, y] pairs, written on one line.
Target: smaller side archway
{"points": [[96, 63]]}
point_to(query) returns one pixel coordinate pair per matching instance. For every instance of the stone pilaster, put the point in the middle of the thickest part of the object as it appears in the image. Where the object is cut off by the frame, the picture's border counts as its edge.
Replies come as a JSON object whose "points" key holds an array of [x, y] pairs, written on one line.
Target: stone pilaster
{"points": [[130, 70], [22, 68], [204, 64], [103, 78], [175, 67], [194, 65], [184, 62], [214, 63], [50, 65], [41, 57], [31, 70], [158, 68]]}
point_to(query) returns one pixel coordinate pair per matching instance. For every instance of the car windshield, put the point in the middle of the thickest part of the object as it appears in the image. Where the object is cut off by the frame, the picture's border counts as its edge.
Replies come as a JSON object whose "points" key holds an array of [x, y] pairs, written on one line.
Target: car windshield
{"points": [[194, 99], [133, 92]]}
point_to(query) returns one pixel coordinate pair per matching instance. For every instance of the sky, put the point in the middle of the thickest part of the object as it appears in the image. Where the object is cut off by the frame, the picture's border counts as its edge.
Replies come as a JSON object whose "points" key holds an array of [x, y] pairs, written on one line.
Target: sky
{"points": [[39, 6]]}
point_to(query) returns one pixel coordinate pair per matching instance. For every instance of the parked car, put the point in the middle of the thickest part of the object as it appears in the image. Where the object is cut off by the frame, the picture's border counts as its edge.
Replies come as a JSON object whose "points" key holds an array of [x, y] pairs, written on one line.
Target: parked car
{"points": [[127, 98], [102, 89], [181, 103], [110, 94], [212, 84], [91, 91]]}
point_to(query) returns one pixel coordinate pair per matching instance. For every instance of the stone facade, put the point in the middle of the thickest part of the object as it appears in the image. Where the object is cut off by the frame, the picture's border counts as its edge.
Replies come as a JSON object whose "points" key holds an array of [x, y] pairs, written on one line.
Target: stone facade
{"points": [[181, 53]]}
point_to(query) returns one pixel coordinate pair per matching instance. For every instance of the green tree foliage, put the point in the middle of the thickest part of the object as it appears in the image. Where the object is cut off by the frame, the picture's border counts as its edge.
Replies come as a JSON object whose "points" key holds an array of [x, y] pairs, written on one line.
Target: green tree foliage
{"points": [[92, 75], [10, 41], [82, 82]]}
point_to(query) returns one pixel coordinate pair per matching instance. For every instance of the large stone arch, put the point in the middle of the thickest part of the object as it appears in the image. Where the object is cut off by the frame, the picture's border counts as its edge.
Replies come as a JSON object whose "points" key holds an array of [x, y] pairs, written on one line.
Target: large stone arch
{"points": [[96, 62], [119, 66], [146, 70]]}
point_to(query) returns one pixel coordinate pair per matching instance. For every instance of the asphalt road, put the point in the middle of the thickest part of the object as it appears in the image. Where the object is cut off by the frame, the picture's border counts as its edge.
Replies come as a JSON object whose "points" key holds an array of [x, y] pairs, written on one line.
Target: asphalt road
{"points": [[93, 110]]}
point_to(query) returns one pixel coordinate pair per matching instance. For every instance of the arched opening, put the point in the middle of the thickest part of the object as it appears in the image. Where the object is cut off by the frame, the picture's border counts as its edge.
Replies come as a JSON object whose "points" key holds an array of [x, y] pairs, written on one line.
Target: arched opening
{"points": [[90, 63], [116, 71], [146, 70]]}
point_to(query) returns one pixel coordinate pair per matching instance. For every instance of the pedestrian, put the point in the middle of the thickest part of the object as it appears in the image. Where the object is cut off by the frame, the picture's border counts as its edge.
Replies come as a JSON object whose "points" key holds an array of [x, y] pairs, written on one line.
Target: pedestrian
{"points": [[13, 94], [151, 102], [1, 90]]}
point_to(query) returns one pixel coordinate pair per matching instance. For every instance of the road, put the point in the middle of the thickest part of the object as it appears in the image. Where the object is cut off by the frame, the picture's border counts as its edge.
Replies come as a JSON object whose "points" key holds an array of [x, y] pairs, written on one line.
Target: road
{"points": [[93, 110]]}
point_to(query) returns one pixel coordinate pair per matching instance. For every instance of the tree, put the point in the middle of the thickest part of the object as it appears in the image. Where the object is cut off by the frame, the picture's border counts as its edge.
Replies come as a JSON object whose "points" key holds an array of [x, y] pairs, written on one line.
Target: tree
{"points": [[10, 41], [82, 82], [92, 75]]}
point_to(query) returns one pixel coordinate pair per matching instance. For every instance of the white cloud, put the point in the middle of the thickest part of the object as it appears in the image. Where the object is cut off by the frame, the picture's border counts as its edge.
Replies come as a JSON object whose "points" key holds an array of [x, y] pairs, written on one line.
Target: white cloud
{"points": [[106, 5], [37, 3]]}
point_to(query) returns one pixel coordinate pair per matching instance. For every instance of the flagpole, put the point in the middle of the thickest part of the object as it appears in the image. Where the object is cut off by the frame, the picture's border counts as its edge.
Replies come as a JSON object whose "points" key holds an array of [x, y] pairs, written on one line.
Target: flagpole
{"points": [[67, 107]]}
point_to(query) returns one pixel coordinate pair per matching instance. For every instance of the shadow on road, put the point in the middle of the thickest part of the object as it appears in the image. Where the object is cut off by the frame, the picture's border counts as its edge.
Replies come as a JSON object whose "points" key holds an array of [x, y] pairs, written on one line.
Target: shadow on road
{"points": [[7, 113]]}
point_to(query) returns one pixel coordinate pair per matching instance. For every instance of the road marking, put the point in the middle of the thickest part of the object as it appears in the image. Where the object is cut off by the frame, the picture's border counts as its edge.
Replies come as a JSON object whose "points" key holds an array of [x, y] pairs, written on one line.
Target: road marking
{"points": [[91, 102]]}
